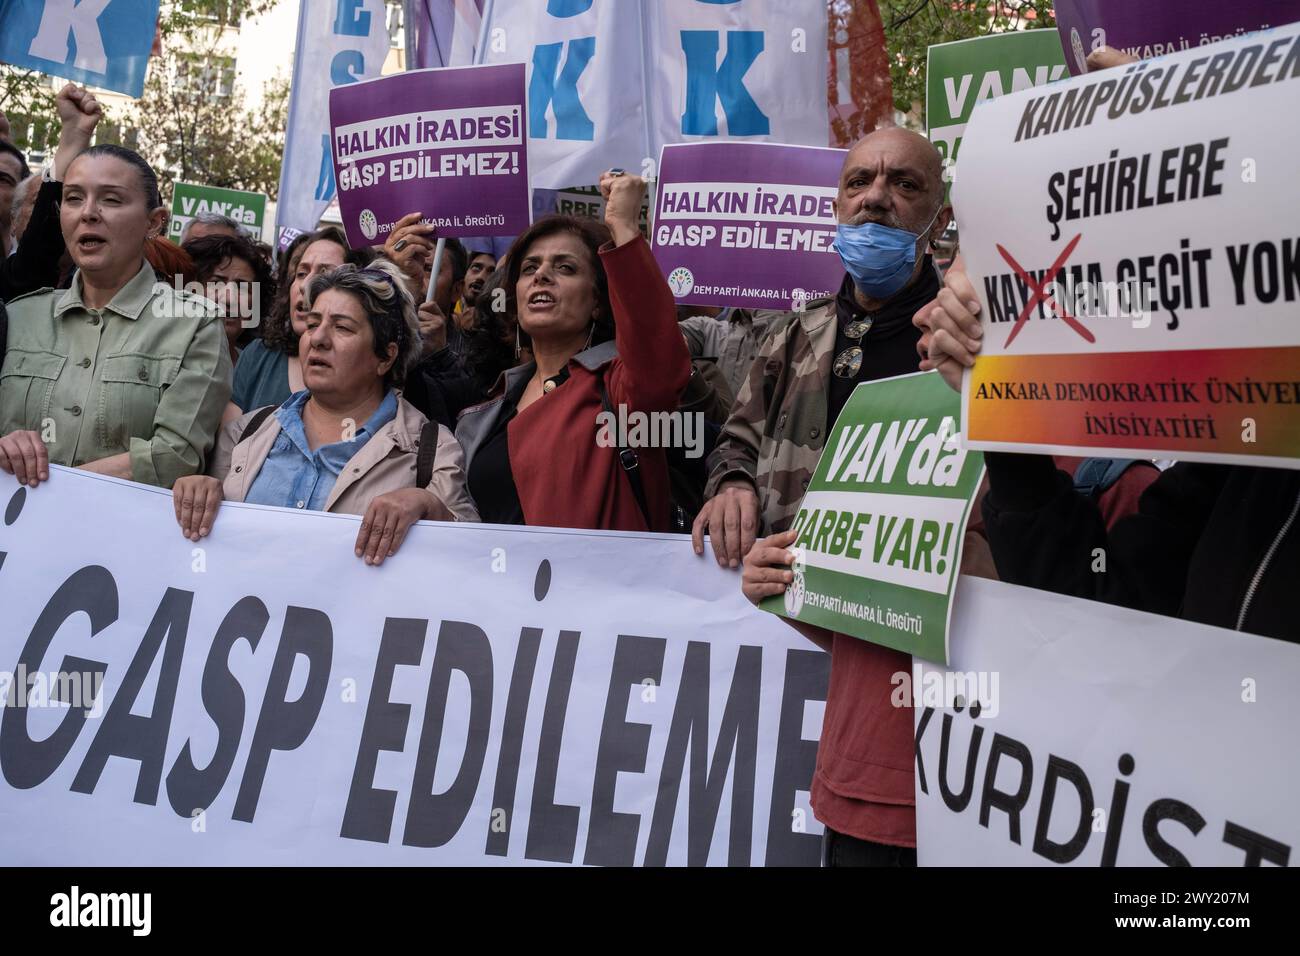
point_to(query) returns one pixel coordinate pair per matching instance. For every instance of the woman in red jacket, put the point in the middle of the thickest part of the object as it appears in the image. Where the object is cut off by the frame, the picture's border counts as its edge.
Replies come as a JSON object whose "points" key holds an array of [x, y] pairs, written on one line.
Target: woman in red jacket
{"points": [[602, 325]]}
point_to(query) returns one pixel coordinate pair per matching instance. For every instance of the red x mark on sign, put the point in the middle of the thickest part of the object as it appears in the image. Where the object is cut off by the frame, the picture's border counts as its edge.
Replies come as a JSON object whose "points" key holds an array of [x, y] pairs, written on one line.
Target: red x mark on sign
{"points": [[1040, 293]]}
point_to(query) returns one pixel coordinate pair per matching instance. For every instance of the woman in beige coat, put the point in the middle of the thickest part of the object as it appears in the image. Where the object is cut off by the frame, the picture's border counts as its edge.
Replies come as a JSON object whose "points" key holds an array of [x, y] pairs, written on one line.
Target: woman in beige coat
{"points": [[348, 442]]}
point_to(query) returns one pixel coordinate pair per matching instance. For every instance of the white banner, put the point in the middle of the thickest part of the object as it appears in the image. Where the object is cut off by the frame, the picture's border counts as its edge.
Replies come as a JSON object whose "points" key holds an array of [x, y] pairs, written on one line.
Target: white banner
{"points": [[586, 103], [511, 696], [611, 81], [744, 70], [1106, 737], [489, 695], [339, 41]]}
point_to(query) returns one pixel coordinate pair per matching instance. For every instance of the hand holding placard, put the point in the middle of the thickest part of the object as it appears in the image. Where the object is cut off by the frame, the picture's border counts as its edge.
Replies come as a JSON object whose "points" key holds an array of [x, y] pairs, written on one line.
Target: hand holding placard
{"points": [[409, 245], [730, 518], [767, 566], [951, 335]]}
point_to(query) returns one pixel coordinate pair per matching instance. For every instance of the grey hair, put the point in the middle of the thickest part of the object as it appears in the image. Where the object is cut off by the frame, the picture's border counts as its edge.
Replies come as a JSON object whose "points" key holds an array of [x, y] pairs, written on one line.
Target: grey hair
{"points": [[381, 290], [214, 219], [20, 195]]}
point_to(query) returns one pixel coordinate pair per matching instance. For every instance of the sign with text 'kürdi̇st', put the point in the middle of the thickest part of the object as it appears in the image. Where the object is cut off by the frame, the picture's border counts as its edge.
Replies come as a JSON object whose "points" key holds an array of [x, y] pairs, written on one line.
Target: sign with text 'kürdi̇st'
{"points": [[1102, 737], [882, 523], [450, 144], [1131, 235], [748, 224]]}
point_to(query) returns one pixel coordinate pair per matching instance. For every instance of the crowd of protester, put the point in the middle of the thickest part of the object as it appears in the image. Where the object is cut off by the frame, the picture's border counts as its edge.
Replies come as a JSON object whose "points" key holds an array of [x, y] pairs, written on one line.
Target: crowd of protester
{"points": [[328, 378]]}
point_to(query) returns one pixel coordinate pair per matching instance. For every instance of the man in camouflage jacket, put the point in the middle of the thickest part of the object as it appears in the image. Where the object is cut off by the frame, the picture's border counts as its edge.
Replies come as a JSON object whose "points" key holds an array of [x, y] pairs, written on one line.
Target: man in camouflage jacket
{"points": [[862, 789], [767, 452], [777, 427]]}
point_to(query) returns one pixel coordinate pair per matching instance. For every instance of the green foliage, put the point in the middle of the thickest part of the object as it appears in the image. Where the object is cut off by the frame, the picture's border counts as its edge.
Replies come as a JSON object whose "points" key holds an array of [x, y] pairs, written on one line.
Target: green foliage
{"points": [[189, 18], [192, 132], [912, 26], [191, 123], [27, 100]]}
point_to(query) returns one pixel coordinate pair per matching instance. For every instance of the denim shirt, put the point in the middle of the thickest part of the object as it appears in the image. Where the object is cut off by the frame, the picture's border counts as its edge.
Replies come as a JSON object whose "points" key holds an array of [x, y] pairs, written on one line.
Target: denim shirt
{"points": [[294, 476]]}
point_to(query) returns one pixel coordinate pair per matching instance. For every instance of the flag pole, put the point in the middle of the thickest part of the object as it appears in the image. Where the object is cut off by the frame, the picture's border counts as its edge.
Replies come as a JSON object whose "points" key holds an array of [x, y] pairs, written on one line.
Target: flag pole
{"points": [[437, 268]]}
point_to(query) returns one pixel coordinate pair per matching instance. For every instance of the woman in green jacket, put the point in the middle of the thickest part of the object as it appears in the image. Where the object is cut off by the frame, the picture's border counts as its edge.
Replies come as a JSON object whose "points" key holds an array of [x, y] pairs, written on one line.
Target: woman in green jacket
{"points": [[119, 374]]}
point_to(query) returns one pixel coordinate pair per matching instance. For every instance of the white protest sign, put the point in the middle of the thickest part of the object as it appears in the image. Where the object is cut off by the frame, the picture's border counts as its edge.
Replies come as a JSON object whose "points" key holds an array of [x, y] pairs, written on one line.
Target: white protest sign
{"points": [[1105, 737], [489, 695], [1131, 236], [610, 82], [740, 71], [586, 102]]}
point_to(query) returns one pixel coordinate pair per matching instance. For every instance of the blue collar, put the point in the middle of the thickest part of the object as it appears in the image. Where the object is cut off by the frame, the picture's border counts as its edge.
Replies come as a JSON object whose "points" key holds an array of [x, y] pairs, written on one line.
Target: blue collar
{"points": [[290, 417]]}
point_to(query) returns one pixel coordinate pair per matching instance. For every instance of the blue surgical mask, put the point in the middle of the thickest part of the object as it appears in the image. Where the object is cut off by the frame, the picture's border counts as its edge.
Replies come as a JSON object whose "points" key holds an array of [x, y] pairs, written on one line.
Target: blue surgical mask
{"points": [[880, 258]]}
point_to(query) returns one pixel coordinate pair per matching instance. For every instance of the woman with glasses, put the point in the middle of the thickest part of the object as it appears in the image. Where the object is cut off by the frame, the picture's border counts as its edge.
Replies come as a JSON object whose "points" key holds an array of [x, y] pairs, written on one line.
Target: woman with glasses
{"points": [[347, 442], [235, 275]]}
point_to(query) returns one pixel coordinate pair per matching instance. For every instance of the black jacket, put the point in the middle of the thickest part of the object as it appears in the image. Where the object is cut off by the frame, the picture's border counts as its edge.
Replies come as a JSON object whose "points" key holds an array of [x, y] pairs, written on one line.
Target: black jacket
{"points": [[1217, 544], [441, 389], [35, 264]]}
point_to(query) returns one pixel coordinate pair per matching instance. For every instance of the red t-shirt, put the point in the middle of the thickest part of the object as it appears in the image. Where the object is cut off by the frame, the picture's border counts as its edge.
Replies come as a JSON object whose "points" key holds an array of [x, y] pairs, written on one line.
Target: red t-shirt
{"points": [[864, 784]]}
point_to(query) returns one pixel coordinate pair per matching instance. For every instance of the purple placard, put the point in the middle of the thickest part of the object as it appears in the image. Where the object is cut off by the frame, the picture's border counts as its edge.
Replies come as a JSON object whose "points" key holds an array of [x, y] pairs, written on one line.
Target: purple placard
{"points": [[287, 235], [1148, 28], [450, 144], [760, 238]]}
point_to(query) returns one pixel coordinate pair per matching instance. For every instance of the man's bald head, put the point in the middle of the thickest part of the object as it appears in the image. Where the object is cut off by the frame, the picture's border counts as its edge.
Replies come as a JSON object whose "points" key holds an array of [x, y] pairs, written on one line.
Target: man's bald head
{"points": [[921, 151], [892, 176]]}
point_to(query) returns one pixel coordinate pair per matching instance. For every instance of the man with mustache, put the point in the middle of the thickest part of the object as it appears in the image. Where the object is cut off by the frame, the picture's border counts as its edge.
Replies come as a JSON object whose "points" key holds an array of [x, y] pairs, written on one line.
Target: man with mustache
{"points": [[891, 211], [481, 265]]}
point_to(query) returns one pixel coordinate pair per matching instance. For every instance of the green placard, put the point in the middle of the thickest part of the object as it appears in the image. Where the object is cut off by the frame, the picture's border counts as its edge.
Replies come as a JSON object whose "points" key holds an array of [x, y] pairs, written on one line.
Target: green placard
{"points": [[882, 523], [188, 200], [963, 73]]}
